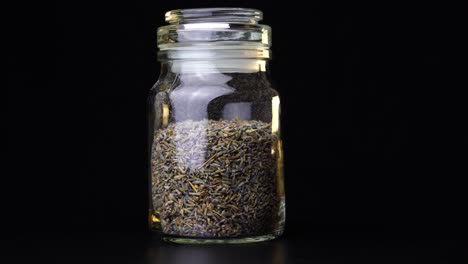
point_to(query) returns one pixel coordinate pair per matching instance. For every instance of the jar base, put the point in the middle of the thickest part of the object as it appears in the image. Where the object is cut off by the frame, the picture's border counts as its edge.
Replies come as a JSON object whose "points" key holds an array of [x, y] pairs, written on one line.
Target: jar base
{"points": [[241, 240]]}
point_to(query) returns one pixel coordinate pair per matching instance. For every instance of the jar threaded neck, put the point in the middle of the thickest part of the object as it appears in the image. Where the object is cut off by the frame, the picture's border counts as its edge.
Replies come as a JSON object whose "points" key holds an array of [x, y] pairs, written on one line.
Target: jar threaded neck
{"points": [[214, 28]]}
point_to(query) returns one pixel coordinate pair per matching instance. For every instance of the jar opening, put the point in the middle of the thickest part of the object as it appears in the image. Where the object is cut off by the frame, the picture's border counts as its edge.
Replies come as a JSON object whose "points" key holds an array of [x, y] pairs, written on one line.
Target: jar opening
{"points": [[229, 14]]}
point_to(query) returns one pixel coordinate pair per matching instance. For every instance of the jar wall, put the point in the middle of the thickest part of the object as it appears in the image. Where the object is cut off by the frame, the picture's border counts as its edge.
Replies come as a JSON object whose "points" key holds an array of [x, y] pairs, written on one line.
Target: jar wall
{"points": [[215, 154]]}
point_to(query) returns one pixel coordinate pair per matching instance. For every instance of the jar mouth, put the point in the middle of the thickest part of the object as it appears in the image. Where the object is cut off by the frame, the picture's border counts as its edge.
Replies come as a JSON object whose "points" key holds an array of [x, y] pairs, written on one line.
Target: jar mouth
{"points": [[217, 14], [214, 27]]}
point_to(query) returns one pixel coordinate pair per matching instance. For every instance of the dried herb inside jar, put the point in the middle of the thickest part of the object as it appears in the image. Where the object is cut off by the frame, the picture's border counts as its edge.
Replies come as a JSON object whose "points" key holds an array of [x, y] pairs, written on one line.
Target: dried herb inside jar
{"points": [[215, 178]]}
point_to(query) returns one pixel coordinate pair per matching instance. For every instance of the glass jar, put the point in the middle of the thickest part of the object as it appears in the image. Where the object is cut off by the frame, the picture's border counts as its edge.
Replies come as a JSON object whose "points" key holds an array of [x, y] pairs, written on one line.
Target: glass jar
{"points": [[216, 161]]}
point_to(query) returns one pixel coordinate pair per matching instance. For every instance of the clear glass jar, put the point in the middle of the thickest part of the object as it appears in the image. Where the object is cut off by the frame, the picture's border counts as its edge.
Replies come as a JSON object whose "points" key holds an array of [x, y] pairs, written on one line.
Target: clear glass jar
{"points": [[216, 161]]}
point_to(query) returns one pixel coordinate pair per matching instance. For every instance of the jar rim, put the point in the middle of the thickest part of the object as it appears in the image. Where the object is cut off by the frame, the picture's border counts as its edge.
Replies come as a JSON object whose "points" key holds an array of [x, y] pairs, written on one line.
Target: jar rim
{"points": [[214, 14]]}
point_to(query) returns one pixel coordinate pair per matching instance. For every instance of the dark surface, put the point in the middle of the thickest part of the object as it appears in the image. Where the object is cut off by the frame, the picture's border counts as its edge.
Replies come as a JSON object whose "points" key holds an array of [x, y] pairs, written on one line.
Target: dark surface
{"points": [[384, 156], [137, 248]]}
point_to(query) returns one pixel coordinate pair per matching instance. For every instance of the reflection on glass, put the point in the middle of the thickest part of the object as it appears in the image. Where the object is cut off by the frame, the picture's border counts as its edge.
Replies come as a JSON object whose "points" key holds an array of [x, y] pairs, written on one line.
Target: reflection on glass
{"points": [[274, 252], [275, 102], [165, 115], [237, 110]]}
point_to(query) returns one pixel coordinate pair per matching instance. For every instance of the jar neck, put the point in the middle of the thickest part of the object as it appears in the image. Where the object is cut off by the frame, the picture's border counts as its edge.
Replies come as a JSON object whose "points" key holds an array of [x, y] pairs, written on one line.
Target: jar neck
{"points": [[214, 27], [215, 40]]}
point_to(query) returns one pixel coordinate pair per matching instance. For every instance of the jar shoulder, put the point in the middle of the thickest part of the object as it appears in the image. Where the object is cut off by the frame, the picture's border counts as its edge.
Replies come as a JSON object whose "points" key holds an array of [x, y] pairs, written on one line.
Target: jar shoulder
{"points": [[236, 88]]}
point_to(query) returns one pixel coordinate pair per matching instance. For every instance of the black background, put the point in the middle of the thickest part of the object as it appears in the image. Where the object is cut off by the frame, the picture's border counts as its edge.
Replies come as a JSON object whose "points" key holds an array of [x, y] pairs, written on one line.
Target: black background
{"points": [[373, 121]]}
